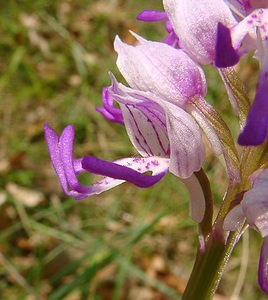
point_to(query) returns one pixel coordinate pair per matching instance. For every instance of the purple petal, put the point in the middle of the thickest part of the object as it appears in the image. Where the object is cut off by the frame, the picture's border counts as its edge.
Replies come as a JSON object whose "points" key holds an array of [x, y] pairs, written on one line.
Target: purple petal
{"points": [[61, 153], [226, 55], [78, 166], [66, 143], [255, 131], [116, 171], [108, 110], [108, 103], [141, 165], [52, 140], [263, 266], [172, 40], [109, 116], [169, 27], [152, 16]]}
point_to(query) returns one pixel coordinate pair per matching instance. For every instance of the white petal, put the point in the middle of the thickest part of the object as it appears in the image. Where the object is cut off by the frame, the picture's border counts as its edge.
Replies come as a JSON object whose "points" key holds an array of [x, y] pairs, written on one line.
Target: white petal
{"points": [[197, 199], [159, 68]]}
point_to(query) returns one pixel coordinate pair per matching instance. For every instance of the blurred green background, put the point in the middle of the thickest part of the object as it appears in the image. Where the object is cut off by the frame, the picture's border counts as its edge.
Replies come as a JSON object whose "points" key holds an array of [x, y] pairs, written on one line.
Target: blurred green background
{"points": [[127, 243]]}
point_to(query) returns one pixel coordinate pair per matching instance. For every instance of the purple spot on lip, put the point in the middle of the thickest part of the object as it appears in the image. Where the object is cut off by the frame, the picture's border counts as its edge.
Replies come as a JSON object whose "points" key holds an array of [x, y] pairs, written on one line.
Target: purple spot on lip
{"points": [[155, 163]]}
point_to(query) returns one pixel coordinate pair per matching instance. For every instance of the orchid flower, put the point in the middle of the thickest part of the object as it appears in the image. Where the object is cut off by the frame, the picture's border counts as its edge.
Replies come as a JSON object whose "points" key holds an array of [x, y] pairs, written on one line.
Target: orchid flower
{"points": [[210, 32], [153, 111], [67, 168], [254, 208], [256, 128], [171, 75], [194, 24]]}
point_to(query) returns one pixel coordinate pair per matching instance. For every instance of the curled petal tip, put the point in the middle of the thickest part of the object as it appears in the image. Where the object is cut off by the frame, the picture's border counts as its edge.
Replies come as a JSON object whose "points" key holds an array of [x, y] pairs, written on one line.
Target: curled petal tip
{"points": [[117, 43]]}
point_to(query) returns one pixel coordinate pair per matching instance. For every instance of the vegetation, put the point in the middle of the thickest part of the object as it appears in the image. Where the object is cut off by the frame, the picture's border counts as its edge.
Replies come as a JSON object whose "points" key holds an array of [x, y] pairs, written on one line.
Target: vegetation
{"points": [[127, 243]]}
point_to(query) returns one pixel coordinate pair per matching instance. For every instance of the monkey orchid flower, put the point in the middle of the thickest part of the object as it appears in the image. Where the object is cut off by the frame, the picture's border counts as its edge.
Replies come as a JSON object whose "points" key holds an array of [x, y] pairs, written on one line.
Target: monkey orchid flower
{"points": [[254, 208], [255, 26], [194, 24], [172, 79], [67, 168], [153, 111]]}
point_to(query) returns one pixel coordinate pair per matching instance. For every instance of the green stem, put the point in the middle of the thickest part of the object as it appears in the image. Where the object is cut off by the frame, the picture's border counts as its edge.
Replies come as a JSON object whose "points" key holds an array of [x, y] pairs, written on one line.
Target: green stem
{"points": [[211, 259], [209, 267]]}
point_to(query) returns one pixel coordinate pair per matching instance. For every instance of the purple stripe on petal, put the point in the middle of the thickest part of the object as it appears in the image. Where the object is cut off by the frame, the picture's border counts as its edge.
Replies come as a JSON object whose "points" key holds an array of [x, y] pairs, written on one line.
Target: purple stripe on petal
{"points": [[263, 266], [152, 16], [256, 129], [139, 137], [226, 55], [117, 171]]}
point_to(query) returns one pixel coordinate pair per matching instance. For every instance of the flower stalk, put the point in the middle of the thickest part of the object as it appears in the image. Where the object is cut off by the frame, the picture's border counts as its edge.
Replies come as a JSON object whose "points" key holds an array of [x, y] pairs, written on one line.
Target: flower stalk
{"points": [[209, 267]]}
